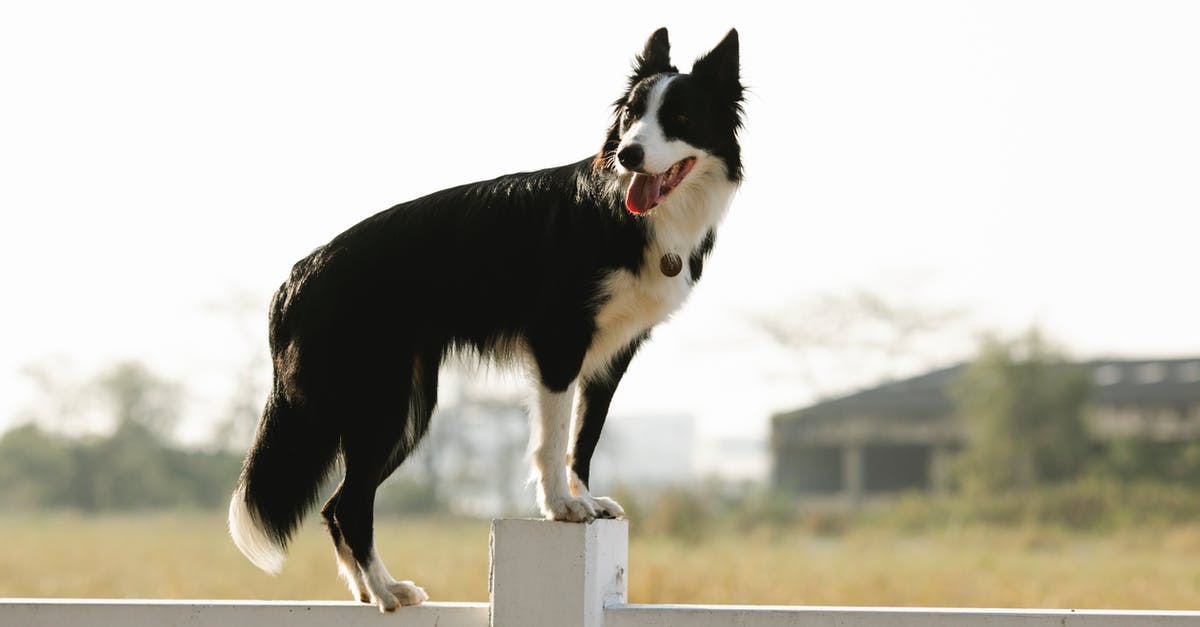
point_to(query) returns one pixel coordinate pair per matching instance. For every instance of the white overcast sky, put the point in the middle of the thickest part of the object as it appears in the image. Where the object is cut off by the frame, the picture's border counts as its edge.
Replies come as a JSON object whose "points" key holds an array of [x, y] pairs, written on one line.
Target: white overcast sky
{"points": [[1028, 162]]}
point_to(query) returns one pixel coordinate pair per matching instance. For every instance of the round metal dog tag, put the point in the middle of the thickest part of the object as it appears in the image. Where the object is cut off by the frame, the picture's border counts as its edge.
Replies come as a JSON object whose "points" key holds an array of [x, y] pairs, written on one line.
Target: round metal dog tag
{"points": [[670, 264]]}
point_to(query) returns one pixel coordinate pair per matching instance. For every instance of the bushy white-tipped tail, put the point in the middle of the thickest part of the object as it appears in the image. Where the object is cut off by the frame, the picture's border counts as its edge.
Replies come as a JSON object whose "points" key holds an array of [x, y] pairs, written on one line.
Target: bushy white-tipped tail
{"points": [[250, 536]]}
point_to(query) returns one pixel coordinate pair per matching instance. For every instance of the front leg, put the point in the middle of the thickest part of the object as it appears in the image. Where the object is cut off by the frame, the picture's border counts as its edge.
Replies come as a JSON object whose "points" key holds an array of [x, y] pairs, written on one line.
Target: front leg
{"points": [[591, 410], [551, 434], [558, 351]]}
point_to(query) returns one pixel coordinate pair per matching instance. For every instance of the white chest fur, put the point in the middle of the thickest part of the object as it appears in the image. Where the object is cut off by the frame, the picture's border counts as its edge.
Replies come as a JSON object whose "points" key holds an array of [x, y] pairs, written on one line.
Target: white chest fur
{"points": [[633, 304]]}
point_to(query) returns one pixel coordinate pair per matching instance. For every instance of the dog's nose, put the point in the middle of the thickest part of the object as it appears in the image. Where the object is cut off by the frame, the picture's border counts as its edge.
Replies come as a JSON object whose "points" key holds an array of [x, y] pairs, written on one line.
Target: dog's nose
{"points": [[631, 156]]}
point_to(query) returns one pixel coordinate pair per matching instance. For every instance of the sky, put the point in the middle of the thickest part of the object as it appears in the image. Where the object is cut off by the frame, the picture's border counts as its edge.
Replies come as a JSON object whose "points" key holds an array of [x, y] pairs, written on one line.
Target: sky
{"points": [[162, 165]]}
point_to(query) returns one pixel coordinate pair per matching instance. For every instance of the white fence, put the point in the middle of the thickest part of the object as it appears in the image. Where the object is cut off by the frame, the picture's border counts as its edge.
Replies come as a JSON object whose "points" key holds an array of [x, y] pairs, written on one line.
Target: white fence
{"points": [[548, 574]]}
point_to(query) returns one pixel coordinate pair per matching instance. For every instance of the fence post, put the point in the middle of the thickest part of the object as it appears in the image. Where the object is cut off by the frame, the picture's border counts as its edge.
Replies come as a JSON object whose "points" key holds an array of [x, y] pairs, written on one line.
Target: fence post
{"points": [[555, 574]]}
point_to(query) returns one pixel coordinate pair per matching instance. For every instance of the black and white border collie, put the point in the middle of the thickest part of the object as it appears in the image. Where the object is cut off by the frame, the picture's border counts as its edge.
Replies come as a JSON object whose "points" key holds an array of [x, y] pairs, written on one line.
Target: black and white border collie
{"points": [[563, 270]]}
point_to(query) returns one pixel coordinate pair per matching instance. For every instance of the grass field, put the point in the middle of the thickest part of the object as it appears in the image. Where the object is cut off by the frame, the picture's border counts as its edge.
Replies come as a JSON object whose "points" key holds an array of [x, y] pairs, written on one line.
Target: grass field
{"points": [[190, 556]]}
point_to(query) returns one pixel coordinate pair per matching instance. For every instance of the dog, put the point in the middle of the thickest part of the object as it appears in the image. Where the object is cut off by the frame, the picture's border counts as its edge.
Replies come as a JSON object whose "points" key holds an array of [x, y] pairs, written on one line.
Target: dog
{"points": [[563, 270]]}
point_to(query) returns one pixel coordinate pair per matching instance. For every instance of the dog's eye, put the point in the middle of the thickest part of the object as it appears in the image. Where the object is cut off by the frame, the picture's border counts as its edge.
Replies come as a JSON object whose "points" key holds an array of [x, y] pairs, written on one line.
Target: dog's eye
{"points": [[629, 114], [681, 119]]}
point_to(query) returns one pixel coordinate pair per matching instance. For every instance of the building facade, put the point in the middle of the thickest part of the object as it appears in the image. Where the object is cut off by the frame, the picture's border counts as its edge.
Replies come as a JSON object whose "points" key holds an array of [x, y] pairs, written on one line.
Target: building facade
{"points": [[901, 435]]}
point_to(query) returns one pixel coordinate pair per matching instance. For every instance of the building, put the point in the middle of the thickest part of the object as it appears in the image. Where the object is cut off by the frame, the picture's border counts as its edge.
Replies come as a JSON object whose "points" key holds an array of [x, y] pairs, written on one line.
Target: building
{"points": [[900, 435]]}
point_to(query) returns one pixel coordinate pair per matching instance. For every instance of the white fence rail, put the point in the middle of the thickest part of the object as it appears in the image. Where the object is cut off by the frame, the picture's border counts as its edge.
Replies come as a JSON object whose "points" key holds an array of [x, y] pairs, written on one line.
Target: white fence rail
{"points": [[137, 613], [548, 574], [791, 616]]}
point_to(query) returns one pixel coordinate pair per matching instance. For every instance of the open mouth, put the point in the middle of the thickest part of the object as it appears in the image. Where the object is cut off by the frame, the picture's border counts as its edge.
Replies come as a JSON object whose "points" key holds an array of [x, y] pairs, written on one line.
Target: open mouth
{"points": [[647, 190]]}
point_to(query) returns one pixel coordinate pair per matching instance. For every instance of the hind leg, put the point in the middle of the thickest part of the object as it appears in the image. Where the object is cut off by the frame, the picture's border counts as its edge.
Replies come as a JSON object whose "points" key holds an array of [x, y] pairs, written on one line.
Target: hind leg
{"points": [[347, 568], [371, 455], [355, 519]]}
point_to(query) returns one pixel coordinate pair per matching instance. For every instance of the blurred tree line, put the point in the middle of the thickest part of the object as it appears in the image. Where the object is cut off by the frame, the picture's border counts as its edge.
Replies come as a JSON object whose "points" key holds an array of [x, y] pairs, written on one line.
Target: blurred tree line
{"points": [[1023, 402], [135, 466], [57, 460]]}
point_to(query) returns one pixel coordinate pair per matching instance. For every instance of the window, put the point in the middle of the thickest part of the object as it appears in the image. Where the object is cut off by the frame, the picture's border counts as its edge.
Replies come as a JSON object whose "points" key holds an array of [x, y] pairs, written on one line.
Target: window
{"points": [[1107, 374], [1151, 373]]}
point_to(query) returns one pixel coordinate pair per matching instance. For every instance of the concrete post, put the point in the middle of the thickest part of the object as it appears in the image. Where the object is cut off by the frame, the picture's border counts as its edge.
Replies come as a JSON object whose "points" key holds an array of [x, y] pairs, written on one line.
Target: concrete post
{"points": [[554, 574]]}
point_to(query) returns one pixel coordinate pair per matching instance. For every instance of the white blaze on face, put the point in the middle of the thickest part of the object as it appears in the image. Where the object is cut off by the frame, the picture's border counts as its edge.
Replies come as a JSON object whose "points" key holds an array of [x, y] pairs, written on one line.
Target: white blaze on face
{"points": [[660, 153]]}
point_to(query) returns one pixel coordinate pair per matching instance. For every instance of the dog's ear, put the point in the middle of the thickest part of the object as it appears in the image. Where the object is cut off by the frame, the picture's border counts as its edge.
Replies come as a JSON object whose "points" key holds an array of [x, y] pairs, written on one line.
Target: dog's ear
{"points": [[606, 158], [655, 58], [721, 67]]}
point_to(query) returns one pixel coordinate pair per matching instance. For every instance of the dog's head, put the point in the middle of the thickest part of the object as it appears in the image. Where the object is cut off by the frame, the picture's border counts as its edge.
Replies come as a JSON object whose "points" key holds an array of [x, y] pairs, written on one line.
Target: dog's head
{"points": [[668, 125]]}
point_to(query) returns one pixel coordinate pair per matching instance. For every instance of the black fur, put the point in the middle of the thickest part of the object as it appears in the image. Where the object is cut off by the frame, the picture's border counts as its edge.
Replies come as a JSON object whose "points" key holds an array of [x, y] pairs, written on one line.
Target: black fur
{"points": [[696, 260], [362, 325], [597, 395]]}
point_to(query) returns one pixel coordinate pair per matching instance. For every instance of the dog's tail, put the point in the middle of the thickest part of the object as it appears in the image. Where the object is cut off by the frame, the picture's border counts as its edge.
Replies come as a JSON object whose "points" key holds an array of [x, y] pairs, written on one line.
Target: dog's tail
{"points": [[290, 459], [292, 454]]}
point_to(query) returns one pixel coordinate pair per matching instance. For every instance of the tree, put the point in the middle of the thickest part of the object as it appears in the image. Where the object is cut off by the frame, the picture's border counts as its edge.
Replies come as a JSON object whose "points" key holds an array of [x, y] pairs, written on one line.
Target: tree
{"points": [[137, 396], [36, 469], [1023, 405]]}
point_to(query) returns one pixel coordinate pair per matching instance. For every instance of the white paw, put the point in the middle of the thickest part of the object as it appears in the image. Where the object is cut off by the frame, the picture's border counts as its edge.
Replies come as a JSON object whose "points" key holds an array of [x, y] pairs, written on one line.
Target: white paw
{"points": [[386, 601], [398, 594], [607, 508], [569, 509], [408, 593]]}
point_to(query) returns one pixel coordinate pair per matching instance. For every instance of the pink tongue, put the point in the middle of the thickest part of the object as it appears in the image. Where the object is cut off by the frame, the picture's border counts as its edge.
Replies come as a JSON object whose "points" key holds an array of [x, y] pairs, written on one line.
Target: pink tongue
{"points": [[643, 192]]}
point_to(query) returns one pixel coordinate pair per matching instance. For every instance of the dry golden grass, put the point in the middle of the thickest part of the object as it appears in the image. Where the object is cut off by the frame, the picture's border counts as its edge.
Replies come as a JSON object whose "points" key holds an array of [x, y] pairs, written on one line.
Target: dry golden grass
{"points": [[974, 568], [190, 556]]}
